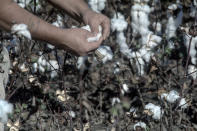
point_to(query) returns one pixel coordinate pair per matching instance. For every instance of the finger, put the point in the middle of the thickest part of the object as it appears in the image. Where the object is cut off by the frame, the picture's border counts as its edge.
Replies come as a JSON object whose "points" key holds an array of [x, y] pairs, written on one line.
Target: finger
{"points": [[94, 28], [95, 45], [106, 28]]}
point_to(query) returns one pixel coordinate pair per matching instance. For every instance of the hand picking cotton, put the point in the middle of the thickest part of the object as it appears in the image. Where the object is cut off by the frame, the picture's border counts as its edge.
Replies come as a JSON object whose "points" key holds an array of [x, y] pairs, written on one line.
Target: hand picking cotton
{"points": [[104, 53], [97, 37], [5, 109], [21, 30]]}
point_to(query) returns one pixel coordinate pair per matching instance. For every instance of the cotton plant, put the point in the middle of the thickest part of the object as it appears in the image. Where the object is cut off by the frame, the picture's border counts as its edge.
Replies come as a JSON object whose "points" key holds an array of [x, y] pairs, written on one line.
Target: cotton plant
{"points": [[5, 109], [140, 26], [97, 5], [173, 23], [42, 65], [119, 24], [140, 21]]}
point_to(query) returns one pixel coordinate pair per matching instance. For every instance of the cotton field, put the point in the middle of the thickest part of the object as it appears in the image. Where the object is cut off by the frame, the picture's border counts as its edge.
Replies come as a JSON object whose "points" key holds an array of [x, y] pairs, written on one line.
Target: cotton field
{"points": [[142, 77]]}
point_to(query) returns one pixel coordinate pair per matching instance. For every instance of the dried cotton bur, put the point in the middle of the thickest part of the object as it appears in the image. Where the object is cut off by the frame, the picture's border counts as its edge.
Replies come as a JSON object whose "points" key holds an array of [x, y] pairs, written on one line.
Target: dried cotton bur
{"points": [[62, 96], [14, 126]]}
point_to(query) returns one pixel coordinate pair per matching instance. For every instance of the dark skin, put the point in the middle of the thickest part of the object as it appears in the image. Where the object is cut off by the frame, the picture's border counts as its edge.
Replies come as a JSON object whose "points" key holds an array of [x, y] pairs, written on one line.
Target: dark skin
{"points": [[64, 38]]}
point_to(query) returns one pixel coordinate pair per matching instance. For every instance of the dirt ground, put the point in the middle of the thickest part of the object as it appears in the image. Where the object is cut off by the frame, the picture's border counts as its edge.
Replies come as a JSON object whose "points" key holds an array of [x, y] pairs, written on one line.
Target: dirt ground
{"points": [[85, 100]]}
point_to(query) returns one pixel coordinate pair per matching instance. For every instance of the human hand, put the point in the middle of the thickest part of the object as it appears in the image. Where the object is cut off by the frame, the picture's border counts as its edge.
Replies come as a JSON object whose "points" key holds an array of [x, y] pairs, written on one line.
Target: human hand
{"points": [[75, 40], [94, 20]]}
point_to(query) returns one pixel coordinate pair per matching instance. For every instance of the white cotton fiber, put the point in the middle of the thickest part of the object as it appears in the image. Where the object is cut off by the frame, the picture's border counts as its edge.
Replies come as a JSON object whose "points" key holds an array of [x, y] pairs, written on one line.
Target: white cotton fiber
{"points": [[171, 97], [115, 100], [106, 52], [192, 71], [124, 49], [155, 110], [140, 124], [21, 29], [5, 109], [183, 104], [157, 26], [118, 22], [97, 5], [172, 7], [81, 62], [58, 22], [173, 24], [97, 37], [192, 47]]}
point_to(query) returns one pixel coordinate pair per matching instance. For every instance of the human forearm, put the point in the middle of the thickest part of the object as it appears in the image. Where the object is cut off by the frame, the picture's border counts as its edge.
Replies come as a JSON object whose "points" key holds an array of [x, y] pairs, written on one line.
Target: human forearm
{"points": [[76, 8], [11, 14]]}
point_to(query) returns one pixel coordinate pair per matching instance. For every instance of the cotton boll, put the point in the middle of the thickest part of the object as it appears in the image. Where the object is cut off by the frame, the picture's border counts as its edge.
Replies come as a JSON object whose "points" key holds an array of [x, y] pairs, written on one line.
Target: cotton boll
{"points": [[21, 29], [146, 9], [81, 62], [42, 61], [183, 104], [192, 47], [170, 97], [143, 20], [106, 52], [41, 69], [115, 100], [58, 22], [124, 49], [136, 7], [192, 71], [172, 7], [173, 24], [35, 67], [140, 124], [158, 27], [97, 37], [50, 46], [137, 1], [118, 23], [72, 114], [53, 65], [170, 28], [155, 110], [97, 5], [125, 87], [5, 109], [53, 74]]}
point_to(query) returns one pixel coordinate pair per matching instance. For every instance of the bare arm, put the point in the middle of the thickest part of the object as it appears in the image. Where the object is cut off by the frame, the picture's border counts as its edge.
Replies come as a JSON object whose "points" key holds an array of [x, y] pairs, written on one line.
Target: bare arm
{"points": [[71, 39], [11, 14]]}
